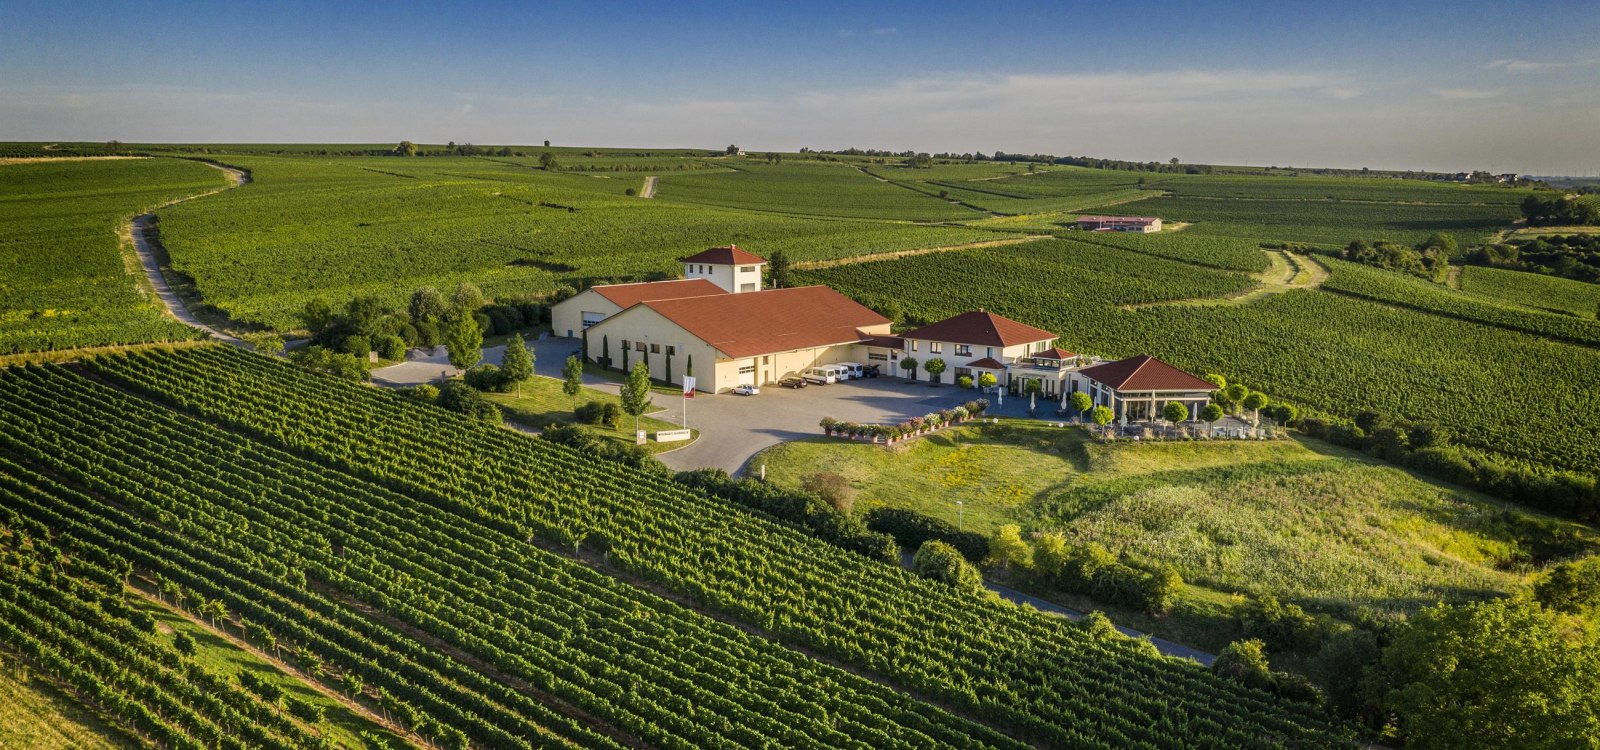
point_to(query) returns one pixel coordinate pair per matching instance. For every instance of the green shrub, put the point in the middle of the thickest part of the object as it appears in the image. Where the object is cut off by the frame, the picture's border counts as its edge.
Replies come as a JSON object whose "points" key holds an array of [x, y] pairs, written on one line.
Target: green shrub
{"points": [[941, 562]]}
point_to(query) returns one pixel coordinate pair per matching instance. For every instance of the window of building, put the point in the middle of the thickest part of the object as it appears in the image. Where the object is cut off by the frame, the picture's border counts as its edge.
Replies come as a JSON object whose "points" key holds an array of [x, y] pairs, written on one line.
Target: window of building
{"points": [[935, 347], [747, 368], [877, 357], [988, 351], [913, 346], [671, 350], [766, 359], [625, 345], [747, 287], [747, 269], [963, 350], [639, 346], [655, 348]]}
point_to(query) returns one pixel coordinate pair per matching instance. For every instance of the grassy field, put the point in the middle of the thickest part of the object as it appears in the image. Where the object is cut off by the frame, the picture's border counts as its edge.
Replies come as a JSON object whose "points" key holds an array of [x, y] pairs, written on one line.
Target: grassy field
{"points": [[1303, 521], [1534, 290], [543, 404], [346, 227], [36, 716], [66, 280]]}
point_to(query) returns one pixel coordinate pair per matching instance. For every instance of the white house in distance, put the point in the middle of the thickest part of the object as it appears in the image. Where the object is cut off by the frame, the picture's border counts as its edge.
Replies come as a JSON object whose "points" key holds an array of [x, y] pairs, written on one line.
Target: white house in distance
{"points": [[1143, 224], [719, 319]]}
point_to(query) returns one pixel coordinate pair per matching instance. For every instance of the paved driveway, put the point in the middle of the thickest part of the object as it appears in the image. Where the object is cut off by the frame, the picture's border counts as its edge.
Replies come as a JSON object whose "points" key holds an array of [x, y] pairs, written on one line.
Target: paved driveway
{"points": [[734, 428]]}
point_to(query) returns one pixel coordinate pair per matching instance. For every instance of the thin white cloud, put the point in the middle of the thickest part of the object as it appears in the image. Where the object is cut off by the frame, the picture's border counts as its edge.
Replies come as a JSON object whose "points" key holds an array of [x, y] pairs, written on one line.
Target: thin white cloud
{"points": [[1464, 95], [885, 30], [1217, 116], [1514, 65]]}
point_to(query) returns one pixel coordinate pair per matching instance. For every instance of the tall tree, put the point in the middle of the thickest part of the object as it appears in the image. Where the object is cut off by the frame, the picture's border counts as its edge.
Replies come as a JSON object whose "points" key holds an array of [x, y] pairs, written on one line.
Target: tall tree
{"points": [[463, 339], [1495, 674], [572, 377], [778, 270], [516, 365], [428, 303], [469, 297], [910, 365], [636, 393], [934, 367]]}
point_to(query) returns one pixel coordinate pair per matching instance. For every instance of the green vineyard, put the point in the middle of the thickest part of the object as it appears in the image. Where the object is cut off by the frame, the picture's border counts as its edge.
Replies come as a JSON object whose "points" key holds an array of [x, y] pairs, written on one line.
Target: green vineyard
{"points": [[489, 590]]}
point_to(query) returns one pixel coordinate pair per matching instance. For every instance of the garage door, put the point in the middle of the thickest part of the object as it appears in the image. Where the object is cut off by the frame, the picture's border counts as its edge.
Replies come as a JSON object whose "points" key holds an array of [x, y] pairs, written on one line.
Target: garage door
{"points": [[591, 318], [747, 375]]}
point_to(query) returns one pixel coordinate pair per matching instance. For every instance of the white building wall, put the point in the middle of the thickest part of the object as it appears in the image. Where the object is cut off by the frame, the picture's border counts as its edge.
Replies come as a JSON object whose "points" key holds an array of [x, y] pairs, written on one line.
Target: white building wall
{"points": [[566, 317], [745, 278]]}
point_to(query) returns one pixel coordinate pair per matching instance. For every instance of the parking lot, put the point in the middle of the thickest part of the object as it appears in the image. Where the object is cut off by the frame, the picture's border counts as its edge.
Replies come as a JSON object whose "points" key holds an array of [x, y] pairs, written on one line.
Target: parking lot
{"points": [[733, 428]]}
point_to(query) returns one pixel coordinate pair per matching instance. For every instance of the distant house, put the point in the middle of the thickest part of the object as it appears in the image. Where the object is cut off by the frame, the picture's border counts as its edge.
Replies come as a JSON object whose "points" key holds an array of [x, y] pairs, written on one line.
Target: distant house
{"points": [[1144, 224], [1137, 388]]}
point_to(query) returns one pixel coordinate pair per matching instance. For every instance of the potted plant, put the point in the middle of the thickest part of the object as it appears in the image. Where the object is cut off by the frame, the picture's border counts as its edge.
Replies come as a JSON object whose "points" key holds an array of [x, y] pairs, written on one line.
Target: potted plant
{"points": [[829, 425], [960, 414]]}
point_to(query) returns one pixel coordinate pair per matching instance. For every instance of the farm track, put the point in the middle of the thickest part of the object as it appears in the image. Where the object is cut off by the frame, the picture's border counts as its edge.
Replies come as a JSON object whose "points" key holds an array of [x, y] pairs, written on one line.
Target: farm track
{"points": [[149, 251], [350, 704], [894, 254], [649, 190], [1287, 272]]}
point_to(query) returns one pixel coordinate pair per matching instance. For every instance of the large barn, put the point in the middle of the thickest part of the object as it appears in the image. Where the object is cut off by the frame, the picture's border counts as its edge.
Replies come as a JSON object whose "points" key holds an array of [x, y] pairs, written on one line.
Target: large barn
{"points": [[719, 320]]}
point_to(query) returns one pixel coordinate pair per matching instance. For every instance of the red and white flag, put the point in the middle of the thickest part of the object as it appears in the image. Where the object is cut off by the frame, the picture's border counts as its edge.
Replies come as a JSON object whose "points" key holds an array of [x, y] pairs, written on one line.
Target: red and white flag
{"points": [[688, 386]]}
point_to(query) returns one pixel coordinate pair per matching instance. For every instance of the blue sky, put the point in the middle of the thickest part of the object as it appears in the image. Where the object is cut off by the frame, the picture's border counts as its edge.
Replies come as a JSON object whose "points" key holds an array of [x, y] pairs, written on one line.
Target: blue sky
{"points": [[1505, 85]]}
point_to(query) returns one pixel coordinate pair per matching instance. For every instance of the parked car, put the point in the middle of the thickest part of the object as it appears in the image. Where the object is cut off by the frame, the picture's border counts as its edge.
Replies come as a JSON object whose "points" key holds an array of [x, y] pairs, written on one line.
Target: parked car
{"points": [[793, 381], [746, 390], [874, 371], [820, 375]]}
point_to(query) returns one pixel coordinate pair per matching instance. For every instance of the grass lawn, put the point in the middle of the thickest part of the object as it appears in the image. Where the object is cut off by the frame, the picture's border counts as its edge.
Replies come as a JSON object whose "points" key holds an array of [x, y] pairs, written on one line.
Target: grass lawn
{"points": [[1330, 529], [36, 716], [218, 655], [542, 404]]}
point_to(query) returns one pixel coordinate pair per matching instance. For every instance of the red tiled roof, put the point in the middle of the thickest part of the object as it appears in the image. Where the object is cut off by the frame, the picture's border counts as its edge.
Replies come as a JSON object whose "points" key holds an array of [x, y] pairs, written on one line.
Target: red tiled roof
{"points": [[981, 328], [628, 295], [774, 320], [887, 342], [725, 256], [1054, 352], [987, 363], [1145, 373]]}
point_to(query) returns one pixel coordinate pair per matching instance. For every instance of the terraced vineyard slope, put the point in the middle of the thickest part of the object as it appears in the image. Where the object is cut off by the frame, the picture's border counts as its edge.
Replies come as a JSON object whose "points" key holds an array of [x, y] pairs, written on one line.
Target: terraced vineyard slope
{"points": [[434, 557]]}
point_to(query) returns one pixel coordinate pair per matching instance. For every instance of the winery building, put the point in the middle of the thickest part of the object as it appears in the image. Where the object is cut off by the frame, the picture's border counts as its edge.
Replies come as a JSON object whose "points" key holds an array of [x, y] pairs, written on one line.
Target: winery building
{"points": [[719, 321]]}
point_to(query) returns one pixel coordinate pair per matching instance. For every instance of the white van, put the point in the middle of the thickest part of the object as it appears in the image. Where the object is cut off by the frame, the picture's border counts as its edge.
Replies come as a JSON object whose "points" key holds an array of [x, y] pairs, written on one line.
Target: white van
{"points": [[823, 374], [853, 370]]}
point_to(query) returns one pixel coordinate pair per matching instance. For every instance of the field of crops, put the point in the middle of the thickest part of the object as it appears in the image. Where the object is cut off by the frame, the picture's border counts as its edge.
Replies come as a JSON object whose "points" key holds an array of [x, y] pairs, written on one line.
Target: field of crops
{"points": [[363, 529], [1323, 222], [1499, 390], [808, 189], [64, 282], [1391, 287], [1226, 253], [1533, 290], [341, 228], [1072, 275]]}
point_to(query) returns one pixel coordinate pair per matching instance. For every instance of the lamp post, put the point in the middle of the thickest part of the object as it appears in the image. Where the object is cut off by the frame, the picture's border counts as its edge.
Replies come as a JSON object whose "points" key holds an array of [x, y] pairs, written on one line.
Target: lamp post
{"points": [[961, 515]]}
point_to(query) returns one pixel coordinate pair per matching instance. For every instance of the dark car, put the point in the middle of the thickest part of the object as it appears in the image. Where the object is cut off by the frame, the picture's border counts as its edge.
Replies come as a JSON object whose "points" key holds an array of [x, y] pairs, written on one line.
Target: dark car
{"points": [[793, 381], [873, 371]]}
